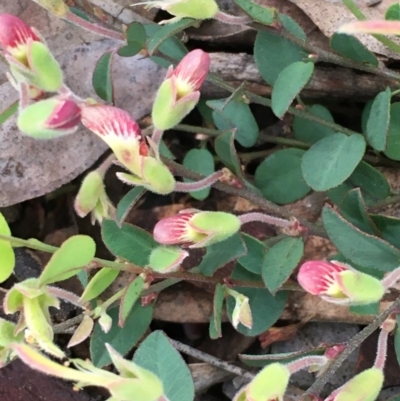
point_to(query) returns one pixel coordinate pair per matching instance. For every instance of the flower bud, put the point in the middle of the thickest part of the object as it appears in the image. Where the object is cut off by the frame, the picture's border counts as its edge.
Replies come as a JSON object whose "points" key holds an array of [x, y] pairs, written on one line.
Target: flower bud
{"points": [[365, 386], [33, 303], [179, 93], [269, 385], [200, 10], [30, 59], [241, 312], [92, 198], [197, 228], [166, 259], [338, 282], [49, 118]]}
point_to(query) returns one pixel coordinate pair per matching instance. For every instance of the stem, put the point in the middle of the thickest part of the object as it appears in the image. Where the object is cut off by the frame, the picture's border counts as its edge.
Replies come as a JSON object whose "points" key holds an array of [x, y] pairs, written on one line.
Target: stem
{"points": [[107, 163], [383, 203], [183, 275], [352, 345], [360, 16], [157, 136], [232, 19], [305, 362], [212, 360], [382, 350], [201, 184], [23, 96], [246, 194], [94, 28], [391, 278], [328, 57], [265, 218], [65, 295]]}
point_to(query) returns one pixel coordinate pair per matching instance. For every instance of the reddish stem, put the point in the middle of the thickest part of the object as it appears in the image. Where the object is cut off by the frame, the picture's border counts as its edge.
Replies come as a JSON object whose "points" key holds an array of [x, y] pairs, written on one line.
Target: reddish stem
{"points": [[265, 218], [305, 362], [382, 349], [197, 185], [94, 28]]}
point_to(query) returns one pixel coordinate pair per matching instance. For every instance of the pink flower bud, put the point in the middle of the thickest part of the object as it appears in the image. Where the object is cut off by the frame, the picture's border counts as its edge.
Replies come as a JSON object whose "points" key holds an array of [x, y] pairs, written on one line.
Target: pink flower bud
{"points": [[338, 282], [14, 35], [118, 129], [50, 118], [191, 72], [196, 228], [29, 58], [179, 93]]}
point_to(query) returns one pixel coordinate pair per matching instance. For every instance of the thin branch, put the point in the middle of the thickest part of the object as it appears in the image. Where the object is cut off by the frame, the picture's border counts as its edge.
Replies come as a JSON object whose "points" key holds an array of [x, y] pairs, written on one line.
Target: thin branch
{"points": [[212, 360], [325, 56], [246, 194], [353, 344]]}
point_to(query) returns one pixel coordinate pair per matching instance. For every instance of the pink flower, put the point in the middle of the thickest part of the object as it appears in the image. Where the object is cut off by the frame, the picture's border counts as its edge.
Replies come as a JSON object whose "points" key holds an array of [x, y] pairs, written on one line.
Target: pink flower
{"points": [[196, 228], [118, 129], [191, 72], [15, 35], [338, 282], [321, 278]]}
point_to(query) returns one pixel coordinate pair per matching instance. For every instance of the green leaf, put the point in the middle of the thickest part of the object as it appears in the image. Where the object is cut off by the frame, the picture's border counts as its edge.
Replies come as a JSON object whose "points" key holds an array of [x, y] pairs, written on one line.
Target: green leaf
{"points": [[8, 112], [99, 283], [235, 114], [130, 50], [255, 254], [157, 354], [393, 12], [393, 139], [389, 228], [220, 254], [166, 31], [279, 177], [171, 47], [265, 308], [292, 26], [311, 131], [7, 256], [280, 261], [128, 202], [102, 80], [201, 161], [371, 309], [224, 147], [263, 15], [136, 33], [128, 300], [284, 53], [350, 47], [377, 126], [121, 339], [363, 249], [74, 254], [338, 154], [128, 242], [373, 185], [136, 38], [291, 80], [354, 210], [215, 329]]}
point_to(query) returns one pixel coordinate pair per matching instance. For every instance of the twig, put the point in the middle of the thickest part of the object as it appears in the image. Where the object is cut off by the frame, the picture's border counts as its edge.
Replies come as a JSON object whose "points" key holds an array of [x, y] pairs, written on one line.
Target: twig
{"points": [[62, 327], [212, 360], [246, 194], [354, 343]]}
